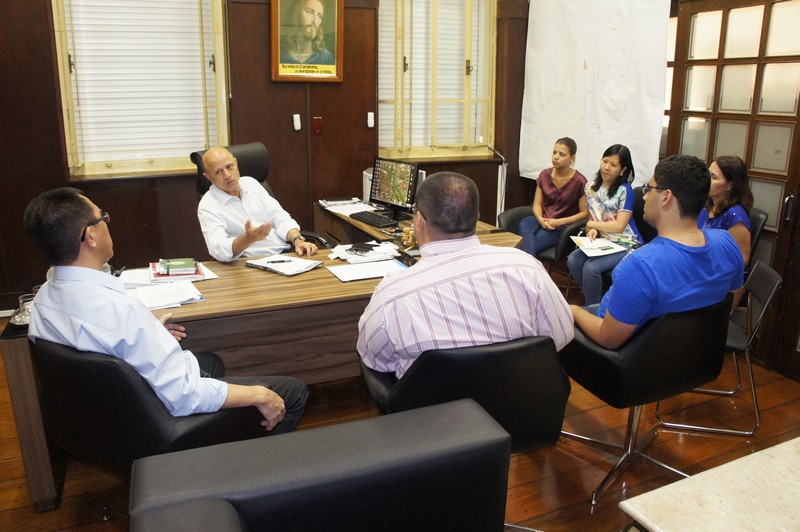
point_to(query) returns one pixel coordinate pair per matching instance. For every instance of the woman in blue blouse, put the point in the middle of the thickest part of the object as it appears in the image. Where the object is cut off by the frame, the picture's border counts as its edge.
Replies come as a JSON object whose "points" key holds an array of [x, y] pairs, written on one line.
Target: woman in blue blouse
{"points": [[729, 201]]}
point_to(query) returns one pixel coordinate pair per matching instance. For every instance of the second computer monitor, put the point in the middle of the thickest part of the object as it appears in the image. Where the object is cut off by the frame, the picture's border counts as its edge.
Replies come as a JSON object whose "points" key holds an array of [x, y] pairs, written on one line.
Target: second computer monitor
{"points": [[394, 184]]}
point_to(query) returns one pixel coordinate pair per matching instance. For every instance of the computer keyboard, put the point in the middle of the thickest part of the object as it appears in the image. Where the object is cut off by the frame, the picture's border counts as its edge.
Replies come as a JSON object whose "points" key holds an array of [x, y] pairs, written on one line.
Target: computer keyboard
{"points": [[373, 218]]}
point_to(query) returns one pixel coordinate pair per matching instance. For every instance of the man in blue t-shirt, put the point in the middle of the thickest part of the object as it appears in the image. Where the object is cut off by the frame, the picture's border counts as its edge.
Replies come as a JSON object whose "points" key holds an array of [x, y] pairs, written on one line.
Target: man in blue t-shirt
{"points": [[684, 268]]}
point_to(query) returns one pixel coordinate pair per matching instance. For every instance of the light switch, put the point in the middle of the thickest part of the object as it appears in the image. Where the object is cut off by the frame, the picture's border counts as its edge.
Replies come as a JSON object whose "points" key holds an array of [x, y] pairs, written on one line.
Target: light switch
{"points": [[316, 125], [370, 120], [296, 121]]}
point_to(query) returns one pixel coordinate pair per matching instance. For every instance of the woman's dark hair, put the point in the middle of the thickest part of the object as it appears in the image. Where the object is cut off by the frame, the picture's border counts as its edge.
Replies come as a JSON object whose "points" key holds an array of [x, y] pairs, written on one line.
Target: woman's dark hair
{"points": [[569, 143], [733, 170], [627, 174]]}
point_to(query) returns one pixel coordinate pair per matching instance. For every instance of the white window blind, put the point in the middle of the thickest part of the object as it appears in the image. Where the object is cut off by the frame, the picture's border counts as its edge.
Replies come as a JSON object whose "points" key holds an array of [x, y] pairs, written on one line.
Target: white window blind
{"points": [[140, 81], [430, 102]]}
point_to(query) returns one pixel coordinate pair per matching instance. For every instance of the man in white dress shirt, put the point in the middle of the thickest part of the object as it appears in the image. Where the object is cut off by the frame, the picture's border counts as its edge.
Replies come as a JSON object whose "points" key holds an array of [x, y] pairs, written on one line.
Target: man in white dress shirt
{"points": [[89, 310], [461, 293], [239, 218]]}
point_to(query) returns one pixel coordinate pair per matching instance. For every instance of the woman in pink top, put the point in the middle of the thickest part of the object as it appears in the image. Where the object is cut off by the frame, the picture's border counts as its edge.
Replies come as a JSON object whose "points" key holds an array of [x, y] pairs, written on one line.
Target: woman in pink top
{"points": [[558, 202]]}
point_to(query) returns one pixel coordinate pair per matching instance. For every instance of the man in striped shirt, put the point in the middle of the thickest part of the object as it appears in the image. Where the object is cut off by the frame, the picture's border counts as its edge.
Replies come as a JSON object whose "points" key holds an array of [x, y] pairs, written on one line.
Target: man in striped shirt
{"points": [[460, 293]]}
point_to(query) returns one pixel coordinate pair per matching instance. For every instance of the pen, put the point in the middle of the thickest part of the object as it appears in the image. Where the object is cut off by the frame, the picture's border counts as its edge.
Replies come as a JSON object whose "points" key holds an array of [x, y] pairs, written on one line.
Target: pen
{"points": [[278, 261]]}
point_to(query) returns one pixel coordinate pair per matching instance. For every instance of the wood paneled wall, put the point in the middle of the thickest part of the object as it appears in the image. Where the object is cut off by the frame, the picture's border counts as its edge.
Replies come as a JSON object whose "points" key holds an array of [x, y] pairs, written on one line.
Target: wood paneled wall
{"points": [[156, 216]]}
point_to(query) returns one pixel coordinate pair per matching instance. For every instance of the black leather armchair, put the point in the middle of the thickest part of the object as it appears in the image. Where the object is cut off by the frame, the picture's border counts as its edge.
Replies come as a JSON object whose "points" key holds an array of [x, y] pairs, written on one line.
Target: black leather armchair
{"points": [[520, 383], [647, 231], [667, 356], [509, 220], [253, 161], [444, 467], [98, 409]]}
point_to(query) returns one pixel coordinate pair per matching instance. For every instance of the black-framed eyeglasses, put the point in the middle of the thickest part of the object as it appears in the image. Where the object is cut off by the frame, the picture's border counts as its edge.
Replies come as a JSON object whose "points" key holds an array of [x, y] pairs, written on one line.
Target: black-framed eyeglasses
{"points": [[104, 217], [648, 188]]}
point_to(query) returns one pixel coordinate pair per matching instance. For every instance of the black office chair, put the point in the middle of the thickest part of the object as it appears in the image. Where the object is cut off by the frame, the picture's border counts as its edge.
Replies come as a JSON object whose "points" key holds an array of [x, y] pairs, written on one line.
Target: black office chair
{"points": [[519, 382], [509, 220], [762, 284], [98, 409], [253, 161], [758, 219], [667, 356], [647, 231]]}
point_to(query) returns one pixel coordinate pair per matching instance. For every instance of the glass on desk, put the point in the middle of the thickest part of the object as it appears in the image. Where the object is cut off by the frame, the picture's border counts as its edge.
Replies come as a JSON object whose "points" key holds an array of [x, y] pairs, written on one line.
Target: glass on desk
{"points": [[22, 316]]}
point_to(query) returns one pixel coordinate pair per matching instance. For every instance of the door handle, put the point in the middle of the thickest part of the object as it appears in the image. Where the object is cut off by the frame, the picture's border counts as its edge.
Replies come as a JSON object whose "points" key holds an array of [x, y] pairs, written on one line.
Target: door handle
{"points": [[788, 208]]}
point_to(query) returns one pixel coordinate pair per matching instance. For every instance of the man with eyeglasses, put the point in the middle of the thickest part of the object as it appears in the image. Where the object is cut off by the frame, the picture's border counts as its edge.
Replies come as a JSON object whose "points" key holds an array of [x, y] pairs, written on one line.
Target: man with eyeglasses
{"points": [[461, 292], [89, 310], [683, 268]]}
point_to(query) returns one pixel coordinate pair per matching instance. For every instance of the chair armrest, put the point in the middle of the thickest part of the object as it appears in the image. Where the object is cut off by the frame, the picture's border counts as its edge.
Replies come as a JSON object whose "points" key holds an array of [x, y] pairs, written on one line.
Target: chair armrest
{"points": [[379, 384], [311, 235], [565, 244], [509, 220]]}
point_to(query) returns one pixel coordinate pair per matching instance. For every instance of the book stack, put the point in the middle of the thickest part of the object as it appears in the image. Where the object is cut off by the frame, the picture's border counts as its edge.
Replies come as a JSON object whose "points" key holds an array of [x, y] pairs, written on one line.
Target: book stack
{"points": [[170, 270]]}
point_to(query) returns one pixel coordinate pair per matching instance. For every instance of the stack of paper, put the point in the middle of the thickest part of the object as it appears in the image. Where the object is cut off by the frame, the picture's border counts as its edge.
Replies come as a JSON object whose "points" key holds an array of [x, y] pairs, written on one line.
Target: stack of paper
{"points": [[347, 209], [336, 202], [379, 252], [284, 265], [166, 295], [370, 270], [597, 247]]}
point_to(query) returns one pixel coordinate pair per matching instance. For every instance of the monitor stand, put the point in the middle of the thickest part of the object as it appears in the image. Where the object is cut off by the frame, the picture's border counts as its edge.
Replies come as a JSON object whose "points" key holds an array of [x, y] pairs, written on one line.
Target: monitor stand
{"points": [[393, 212]]}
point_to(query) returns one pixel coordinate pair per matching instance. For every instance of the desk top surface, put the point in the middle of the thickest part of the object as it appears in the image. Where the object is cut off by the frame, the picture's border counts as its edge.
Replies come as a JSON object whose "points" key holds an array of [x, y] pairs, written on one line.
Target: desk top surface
{"points": [[482, 228], [756, 492], [243, 290]]}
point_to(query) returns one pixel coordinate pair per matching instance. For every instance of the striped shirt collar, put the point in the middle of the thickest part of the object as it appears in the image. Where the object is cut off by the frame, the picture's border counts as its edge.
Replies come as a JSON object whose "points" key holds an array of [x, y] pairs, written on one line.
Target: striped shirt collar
{"points": [[443, 247]]}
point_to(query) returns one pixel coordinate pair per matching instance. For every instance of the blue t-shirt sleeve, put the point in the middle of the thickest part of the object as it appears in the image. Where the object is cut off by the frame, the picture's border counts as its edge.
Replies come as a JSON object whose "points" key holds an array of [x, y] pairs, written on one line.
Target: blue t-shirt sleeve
{"points": [[632, 291]]}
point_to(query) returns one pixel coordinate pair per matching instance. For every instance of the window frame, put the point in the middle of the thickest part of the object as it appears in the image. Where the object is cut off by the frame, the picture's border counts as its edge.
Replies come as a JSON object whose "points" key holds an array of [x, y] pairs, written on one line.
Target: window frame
{"points": [[216, 124], [402, 123]]}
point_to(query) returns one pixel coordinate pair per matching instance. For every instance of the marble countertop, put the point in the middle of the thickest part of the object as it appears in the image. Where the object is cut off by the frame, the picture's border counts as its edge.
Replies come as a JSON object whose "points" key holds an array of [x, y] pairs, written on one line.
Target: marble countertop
{"points": [[756, 492]]}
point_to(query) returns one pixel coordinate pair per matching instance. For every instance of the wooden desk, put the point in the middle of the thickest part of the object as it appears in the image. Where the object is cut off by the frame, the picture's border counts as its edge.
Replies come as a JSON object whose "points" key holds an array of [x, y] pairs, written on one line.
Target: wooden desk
{"points": [[260, 323], [755, 492], [266, 324], [342, 229]]}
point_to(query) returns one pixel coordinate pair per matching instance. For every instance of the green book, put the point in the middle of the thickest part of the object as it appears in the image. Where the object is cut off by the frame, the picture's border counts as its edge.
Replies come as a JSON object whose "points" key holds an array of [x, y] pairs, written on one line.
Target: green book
{"points": [[176, 266]]}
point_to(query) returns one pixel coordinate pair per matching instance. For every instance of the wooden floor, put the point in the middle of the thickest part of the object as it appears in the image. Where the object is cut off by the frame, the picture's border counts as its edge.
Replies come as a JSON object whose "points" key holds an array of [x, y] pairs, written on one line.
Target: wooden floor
{"points": [[548, 489]]}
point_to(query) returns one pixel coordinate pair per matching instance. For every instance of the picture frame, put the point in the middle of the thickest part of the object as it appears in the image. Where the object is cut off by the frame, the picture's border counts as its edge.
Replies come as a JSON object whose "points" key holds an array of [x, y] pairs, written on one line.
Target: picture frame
{"points": [[307, 40]]}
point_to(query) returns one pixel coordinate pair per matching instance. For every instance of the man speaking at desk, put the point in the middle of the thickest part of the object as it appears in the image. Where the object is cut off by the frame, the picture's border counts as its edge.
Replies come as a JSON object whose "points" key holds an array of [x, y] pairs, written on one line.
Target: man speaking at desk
{"points": [[461, 293], [89, 310], [239, 218]]}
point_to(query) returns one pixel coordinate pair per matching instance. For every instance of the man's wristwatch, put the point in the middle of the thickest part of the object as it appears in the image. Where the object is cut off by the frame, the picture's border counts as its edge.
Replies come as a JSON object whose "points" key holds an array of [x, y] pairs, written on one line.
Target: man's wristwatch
{"points": [[298, 237]]}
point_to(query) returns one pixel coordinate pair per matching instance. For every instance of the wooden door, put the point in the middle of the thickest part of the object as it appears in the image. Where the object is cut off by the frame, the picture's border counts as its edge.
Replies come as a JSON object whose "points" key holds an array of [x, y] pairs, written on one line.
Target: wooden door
{"points": [[735, 91]]}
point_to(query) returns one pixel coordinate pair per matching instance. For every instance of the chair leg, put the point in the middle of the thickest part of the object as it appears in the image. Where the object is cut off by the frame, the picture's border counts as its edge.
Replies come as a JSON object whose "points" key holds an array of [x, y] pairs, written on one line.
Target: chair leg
{"points": [[631, 450], [731, 392], [720, 430]]}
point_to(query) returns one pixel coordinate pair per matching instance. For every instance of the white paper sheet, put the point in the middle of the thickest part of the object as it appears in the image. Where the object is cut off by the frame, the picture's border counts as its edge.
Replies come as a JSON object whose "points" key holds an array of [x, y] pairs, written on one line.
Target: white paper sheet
{"points": [[367, 270]]}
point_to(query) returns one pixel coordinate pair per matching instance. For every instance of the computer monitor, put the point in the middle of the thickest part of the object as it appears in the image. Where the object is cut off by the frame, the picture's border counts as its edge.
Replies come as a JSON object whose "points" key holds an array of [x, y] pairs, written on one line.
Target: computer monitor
{"points": [[394, 184]]}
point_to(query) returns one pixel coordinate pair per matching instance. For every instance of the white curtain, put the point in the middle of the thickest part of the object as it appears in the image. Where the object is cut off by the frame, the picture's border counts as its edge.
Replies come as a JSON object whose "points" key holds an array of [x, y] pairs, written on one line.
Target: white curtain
{"points": [[594, 71]]}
